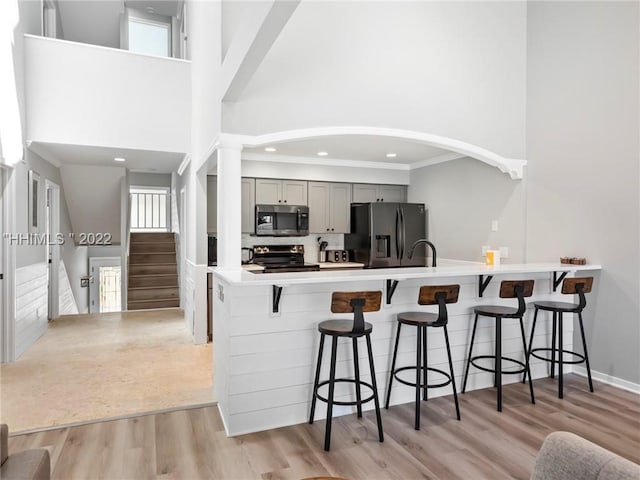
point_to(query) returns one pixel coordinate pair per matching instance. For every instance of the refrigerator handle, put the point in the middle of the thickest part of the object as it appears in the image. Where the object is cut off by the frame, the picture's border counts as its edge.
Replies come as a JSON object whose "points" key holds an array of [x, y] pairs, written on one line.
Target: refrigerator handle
{"points": [[402, 233], [398, 240]]}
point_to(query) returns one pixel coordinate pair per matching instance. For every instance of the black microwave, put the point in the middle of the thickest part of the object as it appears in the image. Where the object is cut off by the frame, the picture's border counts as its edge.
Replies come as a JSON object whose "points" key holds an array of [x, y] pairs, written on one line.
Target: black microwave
{"points": [[282, 220]]}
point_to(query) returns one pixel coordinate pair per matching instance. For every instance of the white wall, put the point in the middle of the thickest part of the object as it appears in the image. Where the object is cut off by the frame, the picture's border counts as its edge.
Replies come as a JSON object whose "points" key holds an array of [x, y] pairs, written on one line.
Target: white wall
{"points": [[93, 198], [87, 95], [74, 256], [145, 179], [455, 69], [463, 197], [583, 187]]}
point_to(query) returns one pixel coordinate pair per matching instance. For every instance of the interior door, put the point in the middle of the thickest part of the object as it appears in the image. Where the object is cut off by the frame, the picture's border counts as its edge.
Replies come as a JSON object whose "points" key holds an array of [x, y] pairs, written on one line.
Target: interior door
{"points": [[52, 219], [3, 353]]}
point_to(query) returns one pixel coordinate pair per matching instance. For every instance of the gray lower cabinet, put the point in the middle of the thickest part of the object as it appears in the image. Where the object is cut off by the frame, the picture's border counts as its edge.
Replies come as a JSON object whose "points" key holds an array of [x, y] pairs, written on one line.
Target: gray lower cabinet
{"points": [[371, 193], [248, 204], [273, 191], [212, 209], [329, 207]]}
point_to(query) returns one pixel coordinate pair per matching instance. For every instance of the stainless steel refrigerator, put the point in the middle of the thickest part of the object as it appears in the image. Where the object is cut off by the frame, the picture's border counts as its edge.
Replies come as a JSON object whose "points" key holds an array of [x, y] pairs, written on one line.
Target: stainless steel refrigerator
{"points": [[382, 234]]}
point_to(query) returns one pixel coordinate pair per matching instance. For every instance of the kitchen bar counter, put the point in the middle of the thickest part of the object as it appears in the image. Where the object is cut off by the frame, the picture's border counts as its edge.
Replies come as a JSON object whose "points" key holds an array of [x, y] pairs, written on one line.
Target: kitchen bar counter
{"points": [[447, 268], [266, 338]]}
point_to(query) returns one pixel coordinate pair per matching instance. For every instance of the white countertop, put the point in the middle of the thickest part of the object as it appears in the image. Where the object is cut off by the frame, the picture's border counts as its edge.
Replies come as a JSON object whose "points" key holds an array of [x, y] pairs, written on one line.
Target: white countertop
{"points": [[446, 268]]}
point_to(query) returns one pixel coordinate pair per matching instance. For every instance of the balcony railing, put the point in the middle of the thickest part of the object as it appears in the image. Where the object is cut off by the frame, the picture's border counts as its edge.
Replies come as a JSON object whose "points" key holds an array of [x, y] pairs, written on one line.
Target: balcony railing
{"points": [[150, 211]]}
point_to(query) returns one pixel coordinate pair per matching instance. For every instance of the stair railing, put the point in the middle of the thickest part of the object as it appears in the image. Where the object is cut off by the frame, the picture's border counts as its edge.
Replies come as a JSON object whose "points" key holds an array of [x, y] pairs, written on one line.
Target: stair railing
{"points": [[150, 211]]}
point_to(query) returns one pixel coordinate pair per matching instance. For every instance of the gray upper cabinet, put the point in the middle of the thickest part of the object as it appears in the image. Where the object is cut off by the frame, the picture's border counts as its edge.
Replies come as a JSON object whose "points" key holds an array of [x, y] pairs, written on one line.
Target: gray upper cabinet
{"points": [[272, 191], [329, 206], [248, 204], [370, 193], [212, 200]]}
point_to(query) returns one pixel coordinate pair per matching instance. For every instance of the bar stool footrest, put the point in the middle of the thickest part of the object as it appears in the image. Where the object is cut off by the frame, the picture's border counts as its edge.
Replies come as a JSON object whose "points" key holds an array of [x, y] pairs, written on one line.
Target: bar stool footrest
{"points": [[556, 360], [522, 368], [429, 385], [346, 380]]}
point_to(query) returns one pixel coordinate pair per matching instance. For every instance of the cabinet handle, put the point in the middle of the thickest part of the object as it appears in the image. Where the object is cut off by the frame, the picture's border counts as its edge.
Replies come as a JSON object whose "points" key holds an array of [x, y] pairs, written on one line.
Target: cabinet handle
{"points": [[285, 201], [332, 229], [377, 199], [327, 229], [279, 201]]}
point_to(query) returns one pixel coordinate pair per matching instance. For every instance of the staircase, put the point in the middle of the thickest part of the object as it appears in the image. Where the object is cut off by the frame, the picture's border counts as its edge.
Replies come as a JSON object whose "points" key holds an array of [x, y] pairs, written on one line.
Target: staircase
{"points": [[153, 272]]}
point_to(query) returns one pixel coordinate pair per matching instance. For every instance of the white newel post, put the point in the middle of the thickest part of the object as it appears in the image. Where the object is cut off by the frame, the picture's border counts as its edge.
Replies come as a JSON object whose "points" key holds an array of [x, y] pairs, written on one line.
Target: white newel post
{"points": [[229, 204]]}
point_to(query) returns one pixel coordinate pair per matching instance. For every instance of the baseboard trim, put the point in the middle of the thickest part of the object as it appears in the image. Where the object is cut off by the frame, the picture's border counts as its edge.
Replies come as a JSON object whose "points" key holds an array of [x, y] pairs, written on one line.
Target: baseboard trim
{"points": [[609, 379], [111, 419]]}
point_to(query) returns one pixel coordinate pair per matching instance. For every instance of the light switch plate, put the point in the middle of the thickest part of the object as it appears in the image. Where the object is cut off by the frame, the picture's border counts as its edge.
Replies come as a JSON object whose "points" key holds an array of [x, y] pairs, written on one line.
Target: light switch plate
{"points": [[484, 250], [494, 225], [504, 252]]}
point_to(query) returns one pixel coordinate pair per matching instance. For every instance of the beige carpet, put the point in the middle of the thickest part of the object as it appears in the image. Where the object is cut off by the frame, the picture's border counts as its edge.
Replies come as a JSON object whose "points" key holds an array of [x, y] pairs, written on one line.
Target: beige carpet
{"points": [[88, 367]]}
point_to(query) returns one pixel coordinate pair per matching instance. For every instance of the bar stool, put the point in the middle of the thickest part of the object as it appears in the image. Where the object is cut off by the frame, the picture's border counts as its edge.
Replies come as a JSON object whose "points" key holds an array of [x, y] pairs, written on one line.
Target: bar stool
{"points": [[570, 286], [429, 295], [347, 302], [508, 289]]}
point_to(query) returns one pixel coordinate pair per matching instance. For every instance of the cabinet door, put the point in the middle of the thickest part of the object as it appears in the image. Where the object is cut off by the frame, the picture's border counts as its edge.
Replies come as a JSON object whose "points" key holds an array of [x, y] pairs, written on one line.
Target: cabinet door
{"points": [[248, 205], [268, 191], [364, 193], [294, 192], [340, 207], [392, 193], [319, 207], [212, 204]]}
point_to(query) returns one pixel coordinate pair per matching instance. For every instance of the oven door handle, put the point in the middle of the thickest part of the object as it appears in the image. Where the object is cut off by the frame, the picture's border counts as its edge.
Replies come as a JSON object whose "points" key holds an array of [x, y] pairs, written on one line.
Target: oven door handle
{"points": [[298, 218]]}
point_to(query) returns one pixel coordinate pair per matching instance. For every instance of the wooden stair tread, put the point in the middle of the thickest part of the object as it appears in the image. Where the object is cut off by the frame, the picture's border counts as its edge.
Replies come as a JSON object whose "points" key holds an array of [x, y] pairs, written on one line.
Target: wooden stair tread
{"points": [[153, 271], [154, 275], [153, 288]]}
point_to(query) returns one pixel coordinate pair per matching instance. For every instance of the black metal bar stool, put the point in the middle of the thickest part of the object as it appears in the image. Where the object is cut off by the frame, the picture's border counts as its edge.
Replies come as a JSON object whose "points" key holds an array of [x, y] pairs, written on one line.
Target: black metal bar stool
{"points": [[508, 289], [347, 302], [570, 286], [429, 295]]}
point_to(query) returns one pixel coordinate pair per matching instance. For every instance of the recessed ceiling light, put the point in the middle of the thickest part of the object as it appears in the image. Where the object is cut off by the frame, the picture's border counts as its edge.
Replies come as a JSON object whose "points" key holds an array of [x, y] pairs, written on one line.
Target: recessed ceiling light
{"points": [[119, 159], [323, 154], [150, 9], [392, 155], [270, 149]]}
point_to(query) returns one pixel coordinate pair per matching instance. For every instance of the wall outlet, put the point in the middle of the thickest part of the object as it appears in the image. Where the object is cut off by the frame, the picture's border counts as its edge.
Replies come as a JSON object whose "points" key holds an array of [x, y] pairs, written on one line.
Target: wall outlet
{"points": [[494, 225], [504, 252], [484, 250]]}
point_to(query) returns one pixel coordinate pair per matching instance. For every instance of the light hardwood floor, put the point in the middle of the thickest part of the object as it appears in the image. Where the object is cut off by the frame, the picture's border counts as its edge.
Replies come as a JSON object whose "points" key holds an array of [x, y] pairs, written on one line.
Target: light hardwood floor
{"points": [[191, 444]]}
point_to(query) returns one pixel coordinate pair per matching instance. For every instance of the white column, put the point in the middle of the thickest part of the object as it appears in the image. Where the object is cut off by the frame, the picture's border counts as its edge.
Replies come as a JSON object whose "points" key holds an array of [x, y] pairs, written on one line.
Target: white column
{"points": [[229, 204]]}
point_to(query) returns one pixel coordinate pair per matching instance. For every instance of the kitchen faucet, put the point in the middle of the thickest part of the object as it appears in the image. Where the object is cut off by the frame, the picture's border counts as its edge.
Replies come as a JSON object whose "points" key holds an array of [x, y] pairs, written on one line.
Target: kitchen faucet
{"points": [[418, 242]]}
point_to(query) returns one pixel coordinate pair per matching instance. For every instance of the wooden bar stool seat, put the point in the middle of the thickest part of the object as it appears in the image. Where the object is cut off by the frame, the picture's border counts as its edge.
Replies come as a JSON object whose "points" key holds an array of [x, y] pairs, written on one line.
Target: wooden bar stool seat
{"points": [[429, 295], [343, 328], [508, 289], [570, 286], [357, 303]]}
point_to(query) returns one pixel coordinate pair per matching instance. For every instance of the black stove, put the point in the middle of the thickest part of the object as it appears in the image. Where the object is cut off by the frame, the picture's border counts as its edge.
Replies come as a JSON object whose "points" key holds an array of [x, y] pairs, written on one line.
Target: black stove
{"points": [[282, 258]]}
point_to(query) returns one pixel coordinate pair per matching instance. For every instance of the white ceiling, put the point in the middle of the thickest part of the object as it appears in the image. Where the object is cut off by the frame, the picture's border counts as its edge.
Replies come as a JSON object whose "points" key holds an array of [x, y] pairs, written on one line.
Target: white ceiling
{"points": [[136, 160], [361, 148]]}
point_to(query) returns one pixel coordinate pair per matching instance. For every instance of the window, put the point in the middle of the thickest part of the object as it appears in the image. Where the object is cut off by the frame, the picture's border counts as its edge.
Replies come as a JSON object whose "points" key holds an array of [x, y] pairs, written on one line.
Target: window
{"points": [[150, 37]]}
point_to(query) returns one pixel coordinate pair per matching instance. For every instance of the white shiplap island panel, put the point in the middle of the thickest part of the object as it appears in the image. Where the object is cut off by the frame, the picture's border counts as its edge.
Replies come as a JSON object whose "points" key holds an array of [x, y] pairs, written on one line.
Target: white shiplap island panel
{"points": [[264, 361]]}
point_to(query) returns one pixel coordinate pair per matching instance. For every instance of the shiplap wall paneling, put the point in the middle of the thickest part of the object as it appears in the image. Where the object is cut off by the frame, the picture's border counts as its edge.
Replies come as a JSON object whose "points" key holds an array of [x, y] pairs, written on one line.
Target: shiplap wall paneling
{"points": [[31, 305], [270, 364]]}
